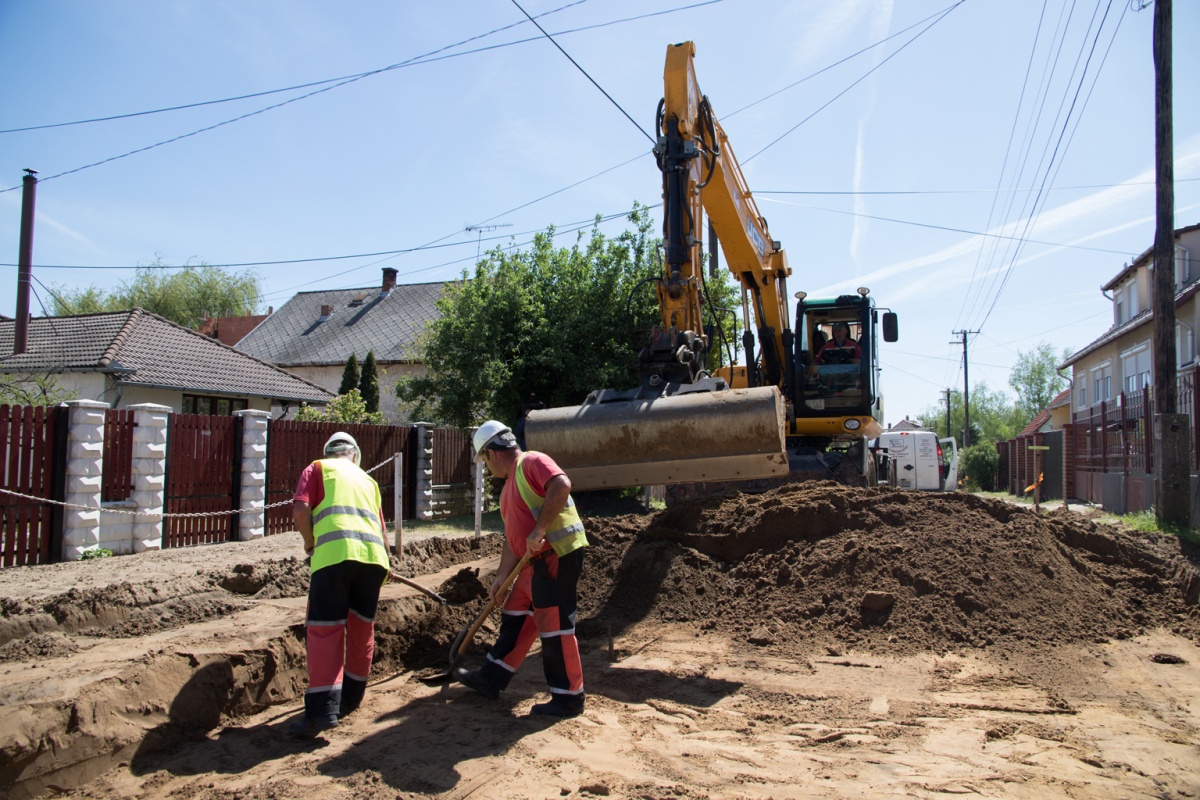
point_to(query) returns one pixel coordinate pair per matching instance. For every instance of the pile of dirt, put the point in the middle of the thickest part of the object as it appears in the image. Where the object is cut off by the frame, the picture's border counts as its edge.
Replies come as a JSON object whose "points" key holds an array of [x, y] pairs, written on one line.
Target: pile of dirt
{"points": [[889, 571]]}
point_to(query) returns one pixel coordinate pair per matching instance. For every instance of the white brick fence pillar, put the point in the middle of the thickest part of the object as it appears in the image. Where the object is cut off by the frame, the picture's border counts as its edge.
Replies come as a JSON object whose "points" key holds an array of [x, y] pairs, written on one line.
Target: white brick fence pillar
{"points": [[149, 468], [85, 468], [253, 523], [423, 470]]}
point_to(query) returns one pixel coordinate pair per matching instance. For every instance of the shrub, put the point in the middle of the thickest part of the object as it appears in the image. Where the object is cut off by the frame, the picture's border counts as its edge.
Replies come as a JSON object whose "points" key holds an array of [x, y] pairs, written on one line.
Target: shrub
{"points": [[99, 552], [978, 465]]}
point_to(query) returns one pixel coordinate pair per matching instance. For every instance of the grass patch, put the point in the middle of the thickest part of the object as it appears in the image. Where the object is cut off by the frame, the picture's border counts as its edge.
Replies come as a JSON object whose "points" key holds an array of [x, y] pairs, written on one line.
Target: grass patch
{"points": [[1147, 522], [490, 522]]}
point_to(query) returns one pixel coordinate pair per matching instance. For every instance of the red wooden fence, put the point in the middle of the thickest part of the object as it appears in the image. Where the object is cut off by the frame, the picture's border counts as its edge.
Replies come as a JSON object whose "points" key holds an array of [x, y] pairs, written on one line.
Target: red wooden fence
{"points": [[451, 457], [31, 530], [292, 446], [203, 474], [117, 483]]}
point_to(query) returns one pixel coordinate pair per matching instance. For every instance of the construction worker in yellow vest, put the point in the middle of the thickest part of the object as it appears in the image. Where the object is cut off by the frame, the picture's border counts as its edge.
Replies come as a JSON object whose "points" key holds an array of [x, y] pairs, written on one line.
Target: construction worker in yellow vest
{"points": [[338, 510], [539, 515]]}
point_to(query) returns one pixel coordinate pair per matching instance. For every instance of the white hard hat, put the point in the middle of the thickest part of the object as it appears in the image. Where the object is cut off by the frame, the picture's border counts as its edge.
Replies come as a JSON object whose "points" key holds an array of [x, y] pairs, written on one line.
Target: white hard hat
{"points": [[492, 432], [341, 441]]}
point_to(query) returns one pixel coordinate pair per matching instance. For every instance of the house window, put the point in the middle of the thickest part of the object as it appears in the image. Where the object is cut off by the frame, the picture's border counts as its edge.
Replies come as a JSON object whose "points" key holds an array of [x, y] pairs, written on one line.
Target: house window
{"points": [[213, 406], [1081, 391], [1101, 379], [1119, 303], [1184, 345], [1135, 368], [1183, 268]]}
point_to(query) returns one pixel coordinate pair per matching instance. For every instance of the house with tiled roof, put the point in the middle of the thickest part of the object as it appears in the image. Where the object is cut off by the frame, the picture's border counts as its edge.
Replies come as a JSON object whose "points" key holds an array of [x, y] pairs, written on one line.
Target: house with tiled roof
{"points": [[1113, 380], [1051, 418], [128, 357], [314, 334]]}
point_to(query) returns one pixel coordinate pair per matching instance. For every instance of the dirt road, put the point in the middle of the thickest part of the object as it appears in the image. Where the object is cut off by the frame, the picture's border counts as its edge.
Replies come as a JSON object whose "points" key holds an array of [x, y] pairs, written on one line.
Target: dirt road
{"points": [[813, 641]]}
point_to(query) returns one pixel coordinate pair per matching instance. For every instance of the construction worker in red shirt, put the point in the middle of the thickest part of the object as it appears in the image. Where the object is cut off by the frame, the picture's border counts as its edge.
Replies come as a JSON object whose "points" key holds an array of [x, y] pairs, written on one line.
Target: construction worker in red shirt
{"points": [[539, 515], [338, 510]]}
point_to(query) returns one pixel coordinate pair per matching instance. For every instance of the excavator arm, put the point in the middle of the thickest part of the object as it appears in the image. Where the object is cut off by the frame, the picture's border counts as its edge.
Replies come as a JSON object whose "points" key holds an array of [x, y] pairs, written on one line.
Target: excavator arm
{"points": [[700, 172], [683, 425]]}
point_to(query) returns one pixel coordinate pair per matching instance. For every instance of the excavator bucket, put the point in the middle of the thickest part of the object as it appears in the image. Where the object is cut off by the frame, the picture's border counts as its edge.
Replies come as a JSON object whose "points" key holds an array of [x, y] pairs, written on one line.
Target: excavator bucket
{"points": [[728, 435]]}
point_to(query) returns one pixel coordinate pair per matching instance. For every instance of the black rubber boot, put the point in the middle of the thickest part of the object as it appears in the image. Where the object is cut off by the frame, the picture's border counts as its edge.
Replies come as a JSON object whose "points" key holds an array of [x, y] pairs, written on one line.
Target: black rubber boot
{"points": [[306, 727], [559, 706], [479, 681]]}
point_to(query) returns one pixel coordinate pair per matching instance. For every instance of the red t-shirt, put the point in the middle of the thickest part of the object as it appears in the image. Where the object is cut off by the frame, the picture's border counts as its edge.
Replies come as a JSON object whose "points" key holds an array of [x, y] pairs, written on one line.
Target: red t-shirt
{"points": [[311, 489], [539, 469]]}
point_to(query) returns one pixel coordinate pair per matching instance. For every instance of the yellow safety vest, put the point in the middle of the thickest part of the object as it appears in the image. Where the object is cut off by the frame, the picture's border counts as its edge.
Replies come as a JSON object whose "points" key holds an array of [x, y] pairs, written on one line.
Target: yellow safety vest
{"points": [[565, 534], [346, 521]]}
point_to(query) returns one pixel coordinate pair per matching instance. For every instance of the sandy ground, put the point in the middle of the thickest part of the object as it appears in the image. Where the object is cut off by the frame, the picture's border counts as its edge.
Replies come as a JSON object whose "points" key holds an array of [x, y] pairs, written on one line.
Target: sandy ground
{"points": [[813, 641]]}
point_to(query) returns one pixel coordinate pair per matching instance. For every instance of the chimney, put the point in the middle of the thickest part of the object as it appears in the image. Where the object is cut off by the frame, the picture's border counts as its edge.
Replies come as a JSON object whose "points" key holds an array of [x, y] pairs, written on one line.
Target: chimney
{"points": [[326, 312], [25, 263], [389, 279]]}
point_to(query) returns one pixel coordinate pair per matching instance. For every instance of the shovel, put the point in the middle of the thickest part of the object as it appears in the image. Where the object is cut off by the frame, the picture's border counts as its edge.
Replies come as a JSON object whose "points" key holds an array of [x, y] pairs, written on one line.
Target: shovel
{"points": [[467, 635], [420, 588]]}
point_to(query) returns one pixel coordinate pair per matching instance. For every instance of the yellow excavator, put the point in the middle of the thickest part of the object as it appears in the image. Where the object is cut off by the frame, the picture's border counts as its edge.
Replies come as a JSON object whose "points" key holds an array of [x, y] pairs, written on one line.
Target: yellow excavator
{"points": [[806, 403]]}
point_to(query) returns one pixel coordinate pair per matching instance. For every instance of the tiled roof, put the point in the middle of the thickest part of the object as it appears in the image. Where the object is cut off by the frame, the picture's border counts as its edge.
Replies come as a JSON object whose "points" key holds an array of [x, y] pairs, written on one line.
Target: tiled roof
{"points": [[1043, 416], [144, 349], [362, 320]]}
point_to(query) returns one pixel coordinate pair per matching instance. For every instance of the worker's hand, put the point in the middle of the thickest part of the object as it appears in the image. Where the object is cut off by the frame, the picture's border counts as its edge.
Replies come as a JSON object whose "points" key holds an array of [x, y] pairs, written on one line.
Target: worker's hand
{"points": [[535, 540], [494, 589]]}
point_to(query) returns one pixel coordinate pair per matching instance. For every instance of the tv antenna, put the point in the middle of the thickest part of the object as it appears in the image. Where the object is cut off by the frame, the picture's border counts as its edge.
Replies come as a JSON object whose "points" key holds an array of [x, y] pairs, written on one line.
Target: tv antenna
{"points": [[480, 229]]}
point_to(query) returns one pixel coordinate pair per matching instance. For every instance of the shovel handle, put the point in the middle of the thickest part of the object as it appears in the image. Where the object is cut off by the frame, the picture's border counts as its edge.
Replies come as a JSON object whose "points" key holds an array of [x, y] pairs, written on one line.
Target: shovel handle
{"points": [[492, 603], [419, 587]]}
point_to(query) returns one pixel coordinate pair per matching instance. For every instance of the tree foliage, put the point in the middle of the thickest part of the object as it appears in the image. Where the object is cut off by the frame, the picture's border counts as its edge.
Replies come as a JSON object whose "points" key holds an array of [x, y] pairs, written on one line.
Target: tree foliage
{"points": [[350, 375], [979, 465], [560, 322], [368, 384], [993, 417], [183, 297], [348, 407], [1036, 379], [37, 389]]}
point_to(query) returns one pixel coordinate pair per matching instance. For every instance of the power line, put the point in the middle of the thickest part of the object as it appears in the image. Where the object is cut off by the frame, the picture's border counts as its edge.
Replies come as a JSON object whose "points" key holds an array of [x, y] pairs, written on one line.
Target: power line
{"points": [[585, 73]]}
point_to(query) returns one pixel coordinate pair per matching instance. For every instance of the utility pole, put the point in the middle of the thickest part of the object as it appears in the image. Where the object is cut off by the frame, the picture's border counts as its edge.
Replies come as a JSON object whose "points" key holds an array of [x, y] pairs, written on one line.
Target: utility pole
{"points": [[481, 229], [1171, 434], [25, 263], [947, 412], [966, 391]]}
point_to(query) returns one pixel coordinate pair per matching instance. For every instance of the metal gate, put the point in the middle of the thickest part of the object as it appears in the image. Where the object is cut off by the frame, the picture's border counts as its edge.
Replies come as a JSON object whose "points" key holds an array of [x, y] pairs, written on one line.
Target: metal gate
{"points": [[203, 476], [1052, 465]]}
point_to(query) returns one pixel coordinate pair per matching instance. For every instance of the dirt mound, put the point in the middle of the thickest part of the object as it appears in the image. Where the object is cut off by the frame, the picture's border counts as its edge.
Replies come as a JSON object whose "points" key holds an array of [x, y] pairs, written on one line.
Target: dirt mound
{"points": [[132, 608], [890, 571]]}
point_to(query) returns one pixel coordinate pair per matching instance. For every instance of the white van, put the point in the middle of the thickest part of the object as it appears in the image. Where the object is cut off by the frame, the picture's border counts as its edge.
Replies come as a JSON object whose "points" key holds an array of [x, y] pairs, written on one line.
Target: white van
{"points": [[918, 460]]}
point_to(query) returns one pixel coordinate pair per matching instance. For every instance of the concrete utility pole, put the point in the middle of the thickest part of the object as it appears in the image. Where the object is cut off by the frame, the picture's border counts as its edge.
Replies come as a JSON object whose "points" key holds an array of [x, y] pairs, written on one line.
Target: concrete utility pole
{"points": [[1171, 429], [966, 391]]}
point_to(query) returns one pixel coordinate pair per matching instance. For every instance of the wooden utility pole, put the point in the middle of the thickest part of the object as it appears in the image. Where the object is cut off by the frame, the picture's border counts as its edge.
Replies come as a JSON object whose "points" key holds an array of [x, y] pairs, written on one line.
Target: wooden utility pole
{"points": [[1171, 429], [966, 392]]}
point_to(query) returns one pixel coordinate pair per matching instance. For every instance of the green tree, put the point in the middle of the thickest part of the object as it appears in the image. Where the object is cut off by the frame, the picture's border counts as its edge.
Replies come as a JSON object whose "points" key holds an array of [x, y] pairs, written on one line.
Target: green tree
{"points": [[979, 465], [368, 384], [347, 408], [34, 389], [350, 375], [560, 322], [993, 417], [182, 297], [1036, 379]]}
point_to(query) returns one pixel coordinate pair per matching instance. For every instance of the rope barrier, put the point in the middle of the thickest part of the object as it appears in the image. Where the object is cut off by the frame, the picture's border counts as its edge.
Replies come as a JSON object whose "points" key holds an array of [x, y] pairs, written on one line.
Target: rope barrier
{"points": [[163, 515]]}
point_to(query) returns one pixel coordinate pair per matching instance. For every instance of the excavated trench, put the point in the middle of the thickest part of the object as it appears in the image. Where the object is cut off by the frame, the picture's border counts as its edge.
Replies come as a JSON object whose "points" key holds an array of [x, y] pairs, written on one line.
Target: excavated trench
{"points": [[799, 569]]}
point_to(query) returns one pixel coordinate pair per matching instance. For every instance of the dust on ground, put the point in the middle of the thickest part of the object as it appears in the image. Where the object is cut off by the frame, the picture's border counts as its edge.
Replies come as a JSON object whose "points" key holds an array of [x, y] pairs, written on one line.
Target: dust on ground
{"points": [[814, 640]]}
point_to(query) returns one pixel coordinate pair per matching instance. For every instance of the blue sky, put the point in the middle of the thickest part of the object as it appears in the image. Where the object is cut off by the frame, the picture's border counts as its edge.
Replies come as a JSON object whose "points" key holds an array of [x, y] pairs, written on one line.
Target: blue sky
{"points": [[981, 165]]}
